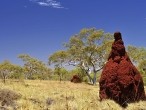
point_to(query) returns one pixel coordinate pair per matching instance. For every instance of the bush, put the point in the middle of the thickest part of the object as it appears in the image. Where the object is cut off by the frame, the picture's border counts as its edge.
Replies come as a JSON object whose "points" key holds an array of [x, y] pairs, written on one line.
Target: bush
{"points": [[8, 97], [49, 101], [143, 74], [144, 79], [85, 79], [17, 76]]}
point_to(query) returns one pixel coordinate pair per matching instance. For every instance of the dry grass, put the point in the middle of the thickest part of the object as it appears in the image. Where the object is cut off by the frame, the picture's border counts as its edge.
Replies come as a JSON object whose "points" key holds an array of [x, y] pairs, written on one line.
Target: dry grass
{"points": [[53, 95]]}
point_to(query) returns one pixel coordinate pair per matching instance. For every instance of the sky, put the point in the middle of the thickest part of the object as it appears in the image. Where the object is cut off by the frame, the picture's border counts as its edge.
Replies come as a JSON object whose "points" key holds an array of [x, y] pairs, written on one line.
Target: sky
{"points": [[40, 27]]}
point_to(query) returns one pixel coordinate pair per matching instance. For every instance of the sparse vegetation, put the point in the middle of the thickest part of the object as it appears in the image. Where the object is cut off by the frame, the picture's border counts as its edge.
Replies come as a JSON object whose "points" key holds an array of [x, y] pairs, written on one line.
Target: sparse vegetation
{"points": [[53, 95], [87, 50], [43, 88], [8, 97]]}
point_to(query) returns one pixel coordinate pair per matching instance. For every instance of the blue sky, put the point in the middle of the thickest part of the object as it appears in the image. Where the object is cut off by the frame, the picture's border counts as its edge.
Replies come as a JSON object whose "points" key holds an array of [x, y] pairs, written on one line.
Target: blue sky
{"points": [[40, 27]]}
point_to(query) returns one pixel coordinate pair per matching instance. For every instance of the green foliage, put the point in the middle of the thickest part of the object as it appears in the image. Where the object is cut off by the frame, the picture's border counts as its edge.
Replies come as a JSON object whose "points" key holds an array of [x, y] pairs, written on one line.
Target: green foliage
{"points": [[16, 76], [17, 72], [5, 69], [89, 50], [58, 58], [137, 54], [138, 57], [33, 68], [8, 70], [61, 72], [142, 66], [77, 71]]}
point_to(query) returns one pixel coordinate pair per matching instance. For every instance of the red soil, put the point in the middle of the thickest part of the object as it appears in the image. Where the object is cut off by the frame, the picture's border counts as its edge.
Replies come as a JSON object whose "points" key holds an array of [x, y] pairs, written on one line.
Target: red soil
{"points": [[120, 80]]}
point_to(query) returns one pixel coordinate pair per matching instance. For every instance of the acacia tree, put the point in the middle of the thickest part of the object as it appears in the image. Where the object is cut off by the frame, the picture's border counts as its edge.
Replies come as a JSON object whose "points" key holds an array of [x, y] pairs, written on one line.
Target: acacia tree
{"points": [[89, 50], [8, 69], [34, 67], [142, 66], [58, 59], [138, 56], [16, 72], [5, 69], [61, 72]]}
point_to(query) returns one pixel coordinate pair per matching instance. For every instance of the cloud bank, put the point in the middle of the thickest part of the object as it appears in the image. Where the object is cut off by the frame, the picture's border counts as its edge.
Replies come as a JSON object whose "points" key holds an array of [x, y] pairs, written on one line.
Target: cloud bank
{"points": [[48, 3]]}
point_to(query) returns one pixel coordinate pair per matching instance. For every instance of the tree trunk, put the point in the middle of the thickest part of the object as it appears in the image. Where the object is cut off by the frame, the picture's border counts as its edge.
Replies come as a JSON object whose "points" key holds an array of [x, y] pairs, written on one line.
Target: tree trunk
{"points": [[4, 78], [60, 77], [94, 78], [90, 79]]}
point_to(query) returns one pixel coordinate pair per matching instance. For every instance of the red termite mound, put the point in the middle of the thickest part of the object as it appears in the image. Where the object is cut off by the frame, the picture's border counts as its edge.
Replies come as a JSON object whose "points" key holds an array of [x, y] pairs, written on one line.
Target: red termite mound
{"points": [[76, 79], [120, 80]]}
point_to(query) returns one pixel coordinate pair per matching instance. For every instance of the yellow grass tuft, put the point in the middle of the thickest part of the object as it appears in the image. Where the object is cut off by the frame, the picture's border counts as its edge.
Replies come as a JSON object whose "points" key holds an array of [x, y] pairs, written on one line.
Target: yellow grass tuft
{"points": [[53, 95]]}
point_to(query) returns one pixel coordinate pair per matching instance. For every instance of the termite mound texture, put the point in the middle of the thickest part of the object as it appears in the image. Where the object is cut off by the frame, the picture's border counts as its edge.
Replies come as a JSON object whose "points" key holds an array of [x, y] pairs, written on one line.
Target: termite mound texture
{"points": [[76, 79], [120, 80]]}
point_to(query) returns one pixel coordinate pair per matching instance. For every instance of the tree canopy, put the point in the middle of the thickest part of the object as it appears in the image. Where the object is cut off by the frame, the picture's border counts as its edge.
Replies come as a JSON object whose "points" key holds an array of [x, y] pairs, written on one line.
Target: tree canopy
{"points": [[8, 70], [138, 56], [88, 50], [34, 68]]}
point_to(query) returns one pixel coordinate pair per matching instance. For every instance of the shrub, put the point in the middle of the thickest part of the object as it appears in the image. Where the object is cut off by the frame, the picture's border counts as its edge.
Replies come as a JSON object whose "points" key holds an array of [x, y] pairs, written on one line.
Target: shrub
{"points": [[49, 101], [8, 97]]}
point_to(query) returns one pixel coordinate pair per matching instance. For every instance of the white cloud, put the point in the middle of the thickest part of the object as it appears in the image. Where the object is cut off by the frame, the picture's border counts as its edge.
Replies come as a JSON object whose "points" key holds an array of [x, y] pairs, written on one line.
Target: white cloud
{"points": [[25, 6], [48, 3]]}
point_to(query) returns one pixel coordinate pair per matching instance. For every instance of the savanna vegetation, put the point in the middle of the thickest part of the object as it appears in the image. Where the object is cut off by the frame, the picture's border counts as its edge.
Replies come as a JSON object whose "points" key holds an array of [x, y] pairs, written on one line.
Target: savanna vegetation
{"points": [[56, 95], [37, 86]]}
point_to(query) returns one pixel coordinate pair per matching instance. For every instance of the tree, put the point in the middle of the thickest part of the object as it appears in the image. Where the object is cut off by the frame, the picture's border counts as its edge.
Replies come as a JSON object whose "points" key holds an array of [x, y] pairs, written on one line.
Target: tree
{"points": [[34, 68], [16, 72], [89, 50], [7, 70], [137, 55], [142, 66], [61, 72], [58, 59]]}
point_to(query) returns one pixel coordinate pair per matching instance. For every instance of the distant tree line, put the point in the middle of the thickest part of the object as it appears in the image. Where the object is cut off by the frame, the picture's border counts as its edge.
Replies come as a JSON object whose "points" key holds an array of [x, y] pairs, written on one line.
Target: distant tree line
{"points": [[86, 51]]}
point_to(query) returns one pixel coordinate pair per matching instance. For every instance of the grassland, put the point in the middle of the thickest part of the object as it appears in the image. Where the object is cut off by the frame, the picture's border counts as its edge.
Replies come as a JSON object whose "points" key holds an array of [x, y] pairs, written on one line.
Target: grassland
{"points": [[53, 95]]}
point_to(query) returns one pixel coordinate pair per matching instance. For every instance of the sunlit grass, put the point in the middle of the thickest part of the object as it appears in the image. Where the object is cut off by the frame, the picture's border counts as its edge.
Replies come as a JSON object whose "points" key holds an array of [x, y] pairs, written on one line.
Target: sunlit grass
{"points": [[53, 95]]}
